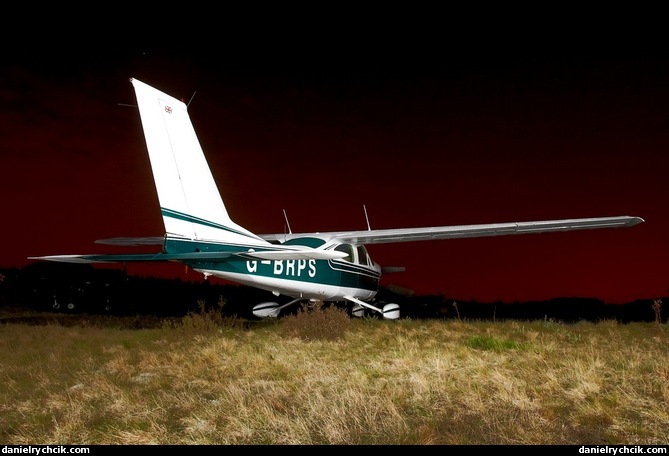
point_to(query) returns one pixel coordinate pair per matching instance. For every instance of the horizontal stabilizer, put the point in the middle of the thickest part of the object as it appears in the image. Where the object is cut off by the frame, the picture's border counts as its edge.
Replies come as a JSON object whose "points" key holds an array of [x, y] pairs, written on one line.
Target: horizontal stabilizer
{"points": [[306, 254], [115, 258], [130, 241], [97, 258]]}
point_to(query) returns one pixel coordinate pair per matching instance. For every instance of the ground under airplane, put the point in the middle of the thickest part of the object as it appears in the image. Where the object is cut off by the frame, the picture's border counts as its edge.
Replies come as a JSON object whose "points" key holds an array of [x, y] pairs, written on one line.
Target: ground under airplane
{"points": [[325, 266]]}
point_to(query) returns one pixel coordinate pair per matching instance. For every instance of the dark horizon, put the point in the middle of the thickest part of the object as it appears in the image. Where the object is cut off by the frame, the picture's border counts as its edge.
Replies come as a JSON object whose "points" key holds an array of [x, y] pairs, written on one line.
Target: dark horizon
{"points": [[77, 289], [465, 141]]}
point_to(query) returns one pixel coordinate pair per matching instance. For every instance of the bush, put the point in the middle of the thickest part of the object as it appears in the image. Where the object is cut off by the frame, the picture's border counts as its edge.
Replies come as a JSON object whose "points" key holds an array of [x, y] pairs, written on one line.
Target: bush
{"points": [[206, 320], [317, 322]]}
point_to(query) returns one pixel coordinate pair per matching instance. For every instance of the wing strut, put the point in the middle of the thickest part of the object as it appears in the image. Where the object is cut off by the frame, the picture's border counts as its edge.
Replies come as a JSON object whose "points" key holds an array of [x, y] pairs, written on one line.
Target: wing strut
{"points": [[389, 311]]}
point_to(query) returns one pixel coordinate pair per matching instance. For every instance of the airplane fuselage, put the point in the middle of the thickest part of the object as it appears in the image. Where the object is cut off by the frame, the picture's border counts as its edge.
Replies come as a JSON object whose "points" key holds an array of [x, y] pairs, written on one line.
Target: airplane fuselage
{"points": [[355, 275]]}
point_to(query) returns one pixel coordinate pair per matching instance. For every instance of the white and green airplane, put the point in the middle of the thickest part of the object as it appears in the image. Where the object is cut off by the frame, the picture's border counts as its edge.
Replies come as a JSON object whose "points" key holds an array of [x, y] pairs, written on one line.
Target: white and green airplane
{"points": [[325, 266]]}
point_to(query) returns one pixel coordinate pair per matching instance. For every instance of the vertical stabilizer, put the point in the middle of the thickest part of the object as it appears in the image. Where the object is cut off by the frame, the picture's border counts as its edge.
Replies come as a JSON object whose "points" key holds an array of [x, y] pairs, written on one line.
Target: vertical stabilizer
{"points": [[190, 202]]}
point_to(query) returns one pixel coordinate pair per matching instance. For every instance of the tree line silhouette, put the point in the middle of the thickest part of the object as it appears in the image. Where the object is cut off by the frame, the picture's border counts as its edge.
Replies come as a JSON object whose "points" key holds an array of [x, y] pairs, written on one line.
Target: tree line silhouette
{"points": [[81, 288]]}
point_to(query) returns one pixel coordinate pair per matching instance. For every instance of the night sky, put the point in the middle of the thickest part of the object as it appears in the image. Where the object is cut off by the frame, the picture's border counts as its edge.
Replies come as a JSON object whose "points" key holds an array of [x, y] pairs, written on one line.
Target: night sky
{"points": [[450, 140]]}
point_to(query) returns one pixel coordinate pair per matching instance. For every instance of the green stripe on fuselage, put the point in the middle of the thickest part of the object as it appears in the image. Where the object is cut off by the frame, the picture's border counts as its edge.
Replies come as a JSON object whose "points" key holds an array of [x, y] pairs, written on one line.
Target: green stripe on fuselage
{"points": [[198, 221]]}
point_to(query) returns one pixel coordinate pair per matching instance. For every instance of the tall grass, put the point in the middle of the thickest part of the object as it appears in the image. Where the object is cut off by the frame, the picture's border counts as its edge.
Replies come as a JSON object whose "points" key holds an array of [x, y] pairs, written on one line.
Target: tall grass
{"points": [[318, 379]]}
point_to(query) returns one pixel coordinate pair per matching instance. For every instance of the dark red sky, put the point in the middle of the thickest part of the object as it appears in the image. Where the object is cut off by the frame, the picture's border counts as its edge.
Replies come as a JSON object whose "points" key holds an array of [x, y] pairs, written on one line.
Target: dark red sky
{"points": [[455, 139]]}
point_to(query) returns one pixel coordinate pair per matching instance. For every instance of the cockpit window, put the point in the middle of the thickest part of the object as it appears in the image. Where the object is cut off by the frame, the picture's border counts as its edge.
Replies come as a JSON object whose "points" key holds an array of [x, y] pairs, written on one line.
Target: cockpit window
{"points": [[348, 249]]}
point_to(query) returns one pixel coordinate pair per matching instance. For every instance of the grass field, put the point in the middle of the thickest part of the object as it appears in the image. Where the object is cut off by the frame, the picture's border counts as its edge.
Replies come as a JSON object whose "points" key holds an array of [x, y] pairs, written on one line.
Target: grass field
{"points": [[320, 377]]}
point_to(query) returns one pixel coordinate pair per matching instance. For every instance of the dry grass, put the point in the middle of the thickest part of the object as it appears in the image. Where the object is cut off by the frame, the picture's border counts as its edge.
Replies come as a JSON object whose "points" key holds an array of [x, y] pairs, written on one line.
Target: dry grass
{"points": [[207, 380]]}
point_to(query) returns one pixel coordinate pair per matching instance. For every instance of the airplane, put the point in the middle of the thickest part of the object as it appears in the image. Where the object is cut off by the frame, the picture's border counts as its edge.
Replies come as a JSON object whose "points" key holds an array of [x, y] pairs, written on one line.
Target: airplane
{"points": [[304, 267]]}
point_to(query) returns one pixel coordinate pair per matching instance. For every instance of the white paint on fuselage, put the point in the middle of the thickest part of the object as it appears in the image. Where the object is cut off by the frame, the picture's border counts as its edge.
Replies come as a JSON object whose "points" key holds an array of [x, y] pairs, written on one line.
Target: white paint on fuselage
{"points": [[293, 288]]}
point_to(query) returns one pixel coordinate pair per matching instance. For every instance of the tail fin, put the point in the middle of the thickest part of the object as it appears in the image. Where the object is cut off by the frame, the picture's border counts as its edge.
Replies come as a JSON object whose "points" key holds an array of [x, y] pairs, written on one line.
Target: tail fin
{"points": [[190, 202]]}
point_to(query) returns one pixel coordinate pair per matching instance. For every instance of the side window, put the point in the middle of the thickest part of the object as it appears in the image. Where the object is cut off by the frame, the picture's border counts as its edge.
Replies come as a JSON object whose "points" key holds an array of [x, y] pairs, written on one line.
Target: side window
{"points": [[348, 249], [363, 258]]}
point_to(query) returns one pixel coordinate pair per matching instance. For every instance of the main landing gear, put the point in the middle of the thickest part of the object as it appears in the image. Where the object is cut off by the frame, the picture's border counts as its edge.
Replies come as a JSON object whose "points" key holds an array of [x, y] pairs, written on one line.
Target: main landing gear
{"points": [[389, 311]]}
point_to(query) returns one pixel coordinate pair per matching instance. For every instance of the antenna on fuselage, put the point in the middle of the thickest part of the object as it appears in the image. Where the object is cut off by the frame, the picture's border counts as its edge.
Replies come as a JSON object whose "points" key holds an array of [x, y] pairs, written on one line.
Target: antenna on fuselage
{"points": [[366, 218], [191, 99], [287, 224]]}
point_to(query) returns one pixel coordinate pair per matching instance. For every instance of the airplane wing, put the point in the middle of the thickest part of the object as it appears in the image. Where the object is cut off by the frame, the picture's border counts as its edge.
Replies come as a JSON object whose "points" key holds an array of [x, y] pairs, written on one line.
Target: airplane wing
{"points": [[464, 231], [425, 233]]}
